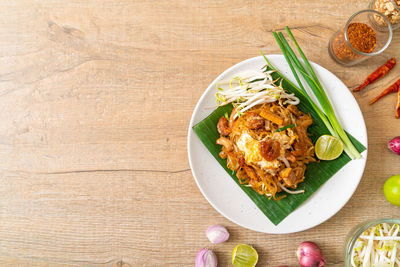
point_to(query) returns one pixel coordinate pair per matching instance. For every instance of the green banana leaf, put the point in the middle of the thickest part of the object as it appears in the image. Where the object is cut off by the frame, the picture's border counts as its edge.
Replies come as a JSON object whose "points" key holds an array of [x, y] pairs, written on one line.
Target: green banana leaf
{"points": [[316, 174]]}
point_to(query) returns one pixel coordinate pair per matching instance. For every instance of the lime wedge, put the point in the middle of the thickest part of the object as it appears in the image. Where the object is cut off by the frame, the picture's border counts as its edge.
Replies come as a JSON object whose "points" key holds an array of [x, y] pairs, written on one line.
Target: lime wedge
{"points": [[328, 147], [244, 256]]}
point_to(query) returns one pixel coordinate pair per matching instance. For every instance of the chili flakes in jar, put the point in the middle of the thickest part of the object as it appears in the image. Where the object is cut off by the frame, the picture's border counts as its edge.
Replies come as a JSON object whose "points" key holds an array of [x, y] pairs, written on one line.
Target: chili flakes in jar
{"points": [[361, 36]]}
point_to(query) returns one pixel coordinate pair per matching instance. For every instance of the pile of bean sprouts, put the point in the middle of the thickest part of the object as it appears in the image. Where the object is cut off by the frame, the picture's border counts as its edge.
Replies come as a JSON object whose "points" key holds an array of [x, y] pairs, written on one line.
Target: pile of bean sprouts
{"points": [[252, 88], [378, 246]]}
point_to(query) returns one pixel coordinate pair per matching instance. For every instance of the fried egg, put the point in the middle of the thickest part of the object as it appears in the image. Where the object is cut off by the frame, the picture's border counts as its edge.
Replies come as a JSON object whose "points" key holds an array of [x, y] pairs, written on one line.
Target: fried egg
{"points": [[251, 150]]}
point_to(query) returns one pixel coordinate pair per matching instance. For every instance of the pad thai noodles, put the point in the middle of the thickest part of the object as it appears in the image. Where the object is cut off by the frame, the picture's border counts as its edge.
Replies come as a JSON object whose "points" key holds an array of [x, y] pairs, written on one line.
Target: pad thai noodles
{"points": [[266, 144]]}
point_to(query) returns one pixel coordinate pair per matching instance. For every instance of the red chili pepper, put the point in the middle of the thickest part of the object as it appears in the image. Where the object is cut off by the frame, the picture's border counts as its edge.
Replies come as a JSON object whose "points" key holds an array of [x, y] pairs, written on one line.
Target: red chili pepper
{"points": [[378, 73], [391, 89]]}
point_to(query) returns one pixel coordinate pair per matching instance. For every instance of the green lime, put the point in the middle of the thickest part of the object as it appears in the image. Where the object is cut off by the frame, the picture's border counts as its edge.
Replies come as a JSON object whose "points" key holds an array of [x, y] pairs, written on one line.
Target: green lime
{"points": [[391, 189], [328, 147], [244, 256]]}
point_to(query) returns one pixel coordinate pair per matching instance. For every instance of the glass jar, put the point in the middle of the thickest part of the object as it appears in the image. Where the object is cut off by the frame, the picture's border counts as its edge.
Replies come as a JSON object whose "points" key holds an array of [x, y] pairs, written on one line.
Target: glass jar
{"points": [[389, 8], [354, 233], [362, 37]]}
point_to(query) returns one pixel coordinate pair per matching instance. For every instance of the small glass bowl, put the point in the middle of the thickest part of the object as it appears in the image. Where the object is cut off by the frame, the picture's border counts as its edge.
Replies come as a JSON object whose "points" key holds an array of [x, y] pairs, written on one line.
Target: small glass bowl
{"points": [[380, 5], [343, 52], [354, 233]]}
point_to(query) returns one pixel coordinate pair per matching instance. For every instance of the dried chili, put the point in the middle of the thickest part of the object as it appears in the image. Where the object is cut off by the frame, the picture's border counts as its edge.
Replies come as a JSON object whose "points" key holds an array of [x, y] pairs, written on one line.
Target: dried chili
{"points": [[378, 73], [361, 37], [391, 89]]}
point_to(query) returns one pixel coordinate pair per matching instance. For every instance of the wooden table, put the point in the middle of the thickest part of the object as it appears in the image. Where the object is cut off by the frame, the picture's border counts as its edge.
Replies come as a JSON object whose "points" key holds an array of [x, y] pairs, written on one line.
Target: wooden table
{"points": [[95, 100]]}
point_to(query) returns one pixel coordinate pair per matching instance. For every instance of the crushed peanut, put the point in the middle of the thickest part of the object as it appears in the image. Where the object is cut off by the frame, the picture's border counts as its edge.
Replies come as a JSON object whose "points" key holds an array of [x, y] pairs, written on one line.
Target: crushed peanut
{"points": [[390, 8]]}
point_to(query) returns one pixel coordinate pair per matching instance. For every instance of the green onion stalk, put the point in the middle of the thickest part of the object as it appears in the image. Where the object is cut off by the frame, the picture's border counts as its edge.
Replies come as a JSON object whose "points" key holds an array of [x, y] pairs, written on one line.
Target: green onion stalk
{"points": [[330, 120], [303, 93]]}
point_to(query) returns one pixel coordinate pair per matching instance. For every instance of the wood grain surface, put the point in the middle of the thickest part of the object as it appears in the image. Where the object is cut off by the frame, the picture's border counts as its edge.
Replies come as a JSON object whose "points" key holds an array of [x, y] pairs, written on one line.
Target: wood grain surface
{"points": [[95, 102]]}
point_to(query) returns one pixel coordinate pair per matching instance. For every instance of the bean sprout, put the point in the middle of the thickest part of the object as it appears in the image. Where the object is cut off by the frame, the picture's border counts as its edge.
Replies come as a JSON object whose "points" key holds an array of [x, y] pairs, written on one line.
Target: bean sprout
{"points": [[285, 161], [250, 89], [290, 192], [377, 246]]}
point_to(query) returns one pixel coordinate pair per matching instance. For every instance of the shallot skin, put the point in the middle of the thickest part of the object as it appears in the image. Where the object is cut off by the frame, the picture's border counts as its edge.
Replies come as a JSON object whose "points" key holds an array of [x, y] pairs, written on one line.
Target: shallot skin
{"points": [[217, 234], [206, 258], [310, 255], [394, 145]]}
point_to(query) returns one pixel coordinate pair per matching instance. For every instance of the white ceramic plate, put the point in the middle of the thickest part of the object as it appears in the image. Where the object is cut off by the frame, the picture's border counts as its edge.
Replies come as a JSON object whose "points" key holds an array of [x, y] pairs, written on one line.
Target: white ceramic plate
{"points": [[226, 196]]}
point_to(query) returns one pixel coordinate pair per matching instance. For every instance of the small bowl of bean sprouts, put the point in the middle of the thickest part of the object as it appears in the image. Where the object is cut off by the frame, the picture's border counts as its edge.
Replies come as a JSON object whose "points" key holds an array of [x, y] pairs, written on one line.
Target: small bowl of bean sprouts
{"points": [[374, 243]]}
